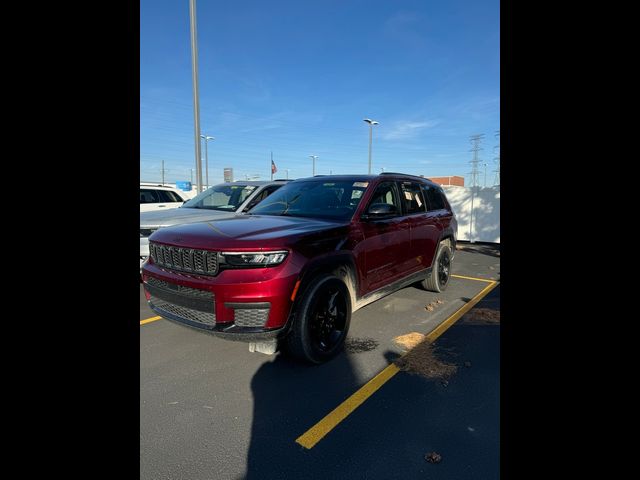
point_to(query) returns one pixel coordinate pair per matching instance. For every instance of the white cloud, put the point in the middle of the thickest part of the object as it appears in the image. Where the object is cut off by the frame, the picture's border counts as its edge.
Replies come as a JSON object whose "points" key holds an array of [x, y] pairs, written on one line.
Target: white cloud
{"points": [[406, 130]]}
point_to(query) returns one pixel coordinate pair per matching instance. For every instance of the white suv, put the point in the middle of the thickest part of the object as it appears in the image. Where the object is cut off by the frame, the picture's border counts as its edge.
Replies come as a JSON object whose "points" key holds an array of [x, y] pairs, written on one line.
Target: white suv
{"points": [[219, 201], [157, 197]]}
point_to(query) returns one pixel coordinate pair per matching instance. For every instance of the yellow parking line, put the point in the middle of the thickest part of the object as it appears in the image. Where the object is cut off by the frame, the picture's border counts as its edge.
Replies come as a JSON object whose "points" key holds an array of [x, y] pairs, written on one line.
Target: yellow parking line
{"points": [[488, 280], [149, 320], [312, 436], [440, 329], [342, 411]]}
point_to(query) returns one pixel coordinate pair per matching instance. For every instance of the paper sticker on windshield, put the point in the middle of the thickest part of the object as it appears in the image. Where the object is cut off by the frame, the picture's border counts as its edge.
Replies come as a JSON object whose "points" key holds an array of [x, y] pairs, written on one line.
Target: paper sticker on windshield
{"points": [[361, 184]]}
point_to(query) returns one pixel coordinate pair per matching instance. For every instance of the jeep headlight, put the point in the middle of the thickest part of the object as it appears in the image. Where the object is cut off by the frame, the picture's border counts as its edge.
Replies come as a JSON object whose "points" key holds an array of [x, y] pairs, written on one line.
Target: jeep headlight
{"points": [[253, 259]]}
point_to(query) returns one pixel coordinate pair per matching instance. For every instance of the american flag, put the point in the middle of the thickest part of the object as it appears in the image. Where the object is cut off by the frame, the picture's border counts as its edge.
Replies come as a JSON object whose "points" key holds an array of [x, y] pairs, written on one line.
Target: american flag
{"points": [[274, 169]]}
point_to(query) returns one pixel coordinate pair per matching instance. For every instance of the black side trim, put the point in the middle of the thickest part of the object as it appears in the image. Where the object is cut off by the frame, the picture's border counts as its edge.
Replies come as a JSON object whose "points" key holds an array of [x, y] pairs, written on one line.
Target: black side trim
{"points": [[395, 286]]}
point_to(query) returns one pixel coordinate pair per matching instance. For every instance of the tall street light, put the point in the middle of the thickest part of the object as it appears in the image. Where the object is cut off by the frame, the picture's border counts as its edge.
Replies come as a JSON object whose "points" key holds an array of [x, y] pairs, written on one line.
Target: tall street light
{"points": [[206, 156], [313, 157], [371, 124], [196, 97]]}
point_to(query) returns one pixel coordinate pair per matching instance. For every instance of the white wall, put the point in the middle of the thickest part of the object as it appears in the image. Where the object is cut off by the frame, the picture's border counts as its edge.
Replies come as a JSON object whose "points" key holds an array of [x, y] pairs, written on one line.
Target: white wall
{"points": [[486, 212]]}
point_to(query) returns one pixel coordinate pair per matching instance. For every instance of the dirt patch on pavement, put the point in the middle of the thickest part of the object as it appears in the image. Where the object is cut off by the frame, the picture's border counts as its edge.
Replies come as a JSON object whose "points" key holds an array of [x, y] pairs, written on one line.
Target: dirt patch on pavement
{"points": [[422, 358], [357, 345], [408, 341], [430, 307], [481, 316]]}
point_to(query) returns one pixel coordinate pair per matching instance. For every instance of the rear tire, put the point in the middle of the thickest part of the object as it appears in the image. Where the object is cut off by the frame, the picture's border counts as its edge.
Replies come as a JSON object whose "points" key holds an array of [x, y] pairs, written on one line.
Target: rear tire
{"points": [[321, 321], [438, 280]]}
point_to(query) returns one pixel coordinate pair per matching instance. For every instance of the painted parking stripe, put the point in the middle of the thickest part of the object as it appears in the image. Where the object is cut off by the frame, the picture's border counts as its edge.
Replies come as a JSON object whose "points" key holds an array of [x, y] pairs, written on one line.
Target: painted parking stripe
{"points": [[149, 320], [316, 433], [488, 280]]}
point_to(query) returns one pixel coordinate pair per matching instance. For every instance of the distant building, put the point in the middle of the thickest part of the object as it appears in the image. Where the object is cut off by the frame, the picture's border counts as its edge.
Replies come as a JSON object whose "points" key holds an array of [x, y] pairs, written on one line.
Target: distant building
{"points": [[453, 180]]}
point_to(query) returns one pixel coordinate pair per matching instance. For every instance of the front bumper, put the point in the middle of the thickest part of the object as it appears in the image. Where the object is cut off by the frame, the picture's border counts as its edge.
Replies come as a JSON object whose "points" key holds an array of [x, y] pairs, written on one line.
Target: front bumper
{"points": [[243, 304]]}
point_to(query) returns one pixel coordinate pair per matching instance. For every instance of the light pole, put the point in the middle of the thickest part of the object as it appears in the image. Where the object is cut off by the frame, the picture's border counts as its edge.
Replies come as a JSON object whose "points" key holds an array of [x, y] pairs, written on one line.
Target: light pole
{"points": [[485, 174], [371, 124], [206, 156], [287, 170], [196, 96], [313, 157]]}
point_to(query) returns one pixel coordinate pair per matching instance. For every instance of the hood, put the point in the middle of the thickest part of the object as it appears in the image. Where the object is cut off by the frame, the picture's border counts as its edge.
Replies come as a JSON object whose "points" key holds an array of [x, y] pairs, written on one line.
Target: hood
{"points": [[177, 216], [244, 231]]}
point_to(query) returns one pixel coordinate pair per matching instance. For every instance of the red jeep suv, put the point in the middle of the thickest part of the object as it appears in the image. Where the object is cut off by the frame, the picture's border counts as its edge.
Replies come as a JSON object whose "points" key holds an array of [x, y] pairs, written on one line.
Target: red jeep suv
{"points": [[292, 271]]}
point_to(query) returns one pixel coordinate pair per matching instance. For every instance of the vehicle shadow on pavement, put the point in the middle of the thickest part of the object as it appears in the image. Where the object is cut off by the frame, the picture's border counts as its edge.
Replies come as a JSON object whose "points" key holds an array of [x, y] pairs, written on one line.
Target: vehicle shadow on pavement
{"points": [[288, 399]]}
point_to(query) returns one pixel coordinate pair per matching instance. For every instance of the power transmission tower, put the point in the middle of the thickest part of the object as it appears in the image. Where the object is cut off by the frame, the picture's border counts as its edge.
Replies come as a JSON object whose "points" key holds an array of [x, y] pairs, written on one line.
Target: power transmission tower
{"points": [[496, 180], [474, 180], [474, 176]]}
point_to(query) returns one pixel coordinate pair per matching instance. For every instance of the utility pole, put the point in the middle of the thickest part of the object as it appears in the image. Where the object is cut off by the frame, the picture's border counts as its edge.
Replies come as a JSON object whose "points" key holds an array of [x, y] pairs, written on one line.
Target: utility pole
{"points": [[371, 124], [485, 174], [475, 140], [196, 95], [206, 139], [287, 170], [496, 180], [162, 172]]}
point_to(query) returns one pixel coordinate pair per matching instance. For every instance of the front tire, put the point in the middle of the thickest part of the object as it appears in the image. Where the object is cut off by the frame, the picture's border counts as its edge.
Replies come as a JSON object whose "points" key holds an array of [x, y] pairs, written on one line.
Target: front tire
{"points": [[321, 320], [441, 271]]}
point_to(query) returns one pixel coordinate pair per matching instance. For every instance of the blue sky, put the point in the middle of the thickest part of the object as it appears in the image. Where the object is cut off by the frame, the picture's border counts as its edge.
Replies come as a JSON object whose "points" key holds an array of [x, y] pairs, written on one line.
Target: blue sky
{"points": [[298, 78]]}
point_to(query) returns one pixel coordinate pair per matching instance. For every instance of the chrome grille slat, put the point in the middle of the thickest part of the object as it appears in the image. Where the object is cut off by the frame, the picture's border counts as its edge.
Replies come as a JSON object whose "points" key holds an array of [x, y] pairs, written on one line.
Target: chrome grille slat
{"points": [[203, 262], [187, 259]]}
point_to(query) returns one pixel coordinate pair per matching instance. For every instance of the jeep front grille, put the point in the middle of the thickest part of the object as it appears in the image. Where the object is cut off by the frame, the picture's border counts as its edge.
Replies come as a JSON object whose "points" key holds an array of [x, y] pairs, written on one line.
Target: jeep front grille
{"points": [[189, 260]]}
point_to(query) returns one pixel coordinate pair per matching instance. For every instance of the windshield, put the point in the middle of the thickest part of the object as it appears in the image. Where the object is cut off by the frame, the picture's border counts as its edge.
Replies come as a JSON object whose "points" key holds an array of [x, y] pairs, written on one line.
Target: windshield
{"points": [[334, 200], [226, 198]]}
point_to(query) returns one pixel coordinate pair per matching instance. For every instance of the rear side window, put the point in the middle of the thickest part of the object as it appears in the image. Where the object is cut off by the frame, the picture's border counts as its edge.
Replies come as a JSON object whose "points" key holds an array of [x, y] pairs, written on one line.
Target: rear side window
{"points": [[434, 197], [412, 198], [168, 196], [149, 196]]}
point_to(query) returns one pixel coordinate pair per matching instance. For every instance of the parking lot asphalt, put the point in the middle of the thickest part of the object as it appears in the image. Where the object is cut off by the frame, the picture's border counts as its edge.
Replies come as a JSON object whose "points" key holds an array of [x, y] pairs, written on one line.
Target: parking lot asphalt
{"points": [[210, 409]]}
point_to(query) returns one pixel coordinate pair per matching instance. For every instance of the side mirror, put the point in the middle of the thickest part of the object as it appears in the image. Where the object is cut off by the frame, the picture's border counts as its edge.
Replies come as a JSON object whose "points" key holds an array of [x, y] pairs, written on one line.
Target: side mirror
{"points": [[380, 210]]}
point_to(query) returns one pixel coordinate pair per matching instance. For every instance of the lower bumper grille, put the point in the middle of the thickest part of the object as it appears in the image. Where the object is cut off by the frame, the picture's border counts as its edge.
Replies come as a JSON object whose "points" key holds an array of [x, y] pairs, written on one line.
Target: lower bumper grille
{"points": [[251, 317], [183, 313]]}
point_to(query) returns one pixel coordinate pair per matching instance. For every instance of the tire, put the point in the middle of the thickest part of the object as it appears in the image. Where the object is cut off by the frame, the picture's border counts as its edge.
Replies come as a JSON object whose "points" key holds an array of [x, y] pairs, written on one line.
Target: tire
{"points": [[438, 280], [321, 321]]}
